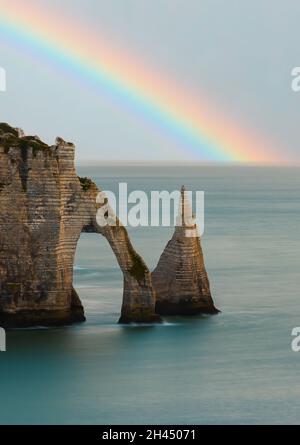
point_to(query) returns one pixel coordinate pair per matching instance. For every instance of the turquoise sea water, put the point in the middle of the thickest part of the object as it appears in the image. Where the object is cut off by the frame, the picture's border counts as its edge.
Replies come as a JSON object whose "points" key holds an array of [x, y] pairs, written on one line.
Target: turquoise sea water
{"points": [[236, 367]]}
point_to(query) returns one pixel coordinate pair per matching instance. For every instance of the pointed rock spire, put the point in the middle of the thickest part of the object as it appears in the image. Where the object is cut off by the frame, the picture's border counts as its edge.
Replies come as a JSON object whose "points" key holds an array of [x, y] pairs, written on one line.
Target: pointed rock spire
{"points": [[180, 279], [185, 214]]}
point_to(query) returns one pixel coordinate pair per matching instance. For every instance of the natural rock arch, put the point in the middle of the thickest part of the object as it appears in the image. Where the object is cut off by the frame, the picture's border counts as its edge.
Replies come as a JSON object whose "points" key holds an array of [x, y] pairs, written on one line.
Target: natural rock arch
{"points": [[44, 207]]}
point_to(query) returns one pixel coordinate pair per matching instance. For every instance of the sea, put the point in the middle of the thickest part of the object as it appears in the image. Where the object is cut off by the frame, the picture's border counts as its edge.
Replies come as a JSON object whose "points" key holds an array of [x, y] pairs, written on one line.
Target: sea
{"points": [[237, 367]]}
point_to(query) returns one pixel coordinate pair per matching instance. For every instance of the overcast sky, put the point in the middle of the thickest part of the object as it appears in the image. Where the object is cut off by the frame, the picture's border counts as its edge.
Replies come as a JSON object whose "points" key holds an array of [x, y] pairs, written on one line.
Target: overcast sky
{"points": [[239, 52]]}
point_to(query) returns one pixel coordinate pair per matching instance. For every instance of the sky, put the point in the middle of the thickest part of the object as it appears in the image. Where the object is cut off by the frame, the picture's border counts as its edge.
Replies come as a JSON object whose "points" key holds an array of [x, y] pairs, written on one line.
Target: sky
{"points": [[235, 54]]}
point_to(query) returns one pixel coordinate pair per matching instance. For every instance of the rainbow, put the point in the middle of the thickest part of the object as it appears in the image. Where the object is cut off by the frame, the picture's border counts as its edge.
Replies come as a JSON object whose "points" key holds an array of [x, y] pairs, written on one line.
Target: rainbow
{"points": [[187, 119]]}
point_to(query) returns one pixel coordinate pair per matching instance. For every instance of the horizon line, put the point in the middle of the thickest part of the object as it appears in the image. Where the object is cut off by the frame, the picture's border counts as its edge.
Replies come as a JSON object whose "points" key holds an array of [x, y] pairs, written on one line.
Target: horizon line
{"points": [[196, 163]]}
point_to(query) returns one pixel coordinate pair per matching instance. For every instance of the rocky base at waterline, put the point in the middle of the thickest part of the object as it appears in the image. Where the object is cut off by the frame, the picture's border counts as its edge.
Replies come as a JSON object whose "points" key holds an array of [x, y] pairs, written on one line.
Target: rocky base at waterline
{"points": [[183, 307], [140, 317], [54, 317]]}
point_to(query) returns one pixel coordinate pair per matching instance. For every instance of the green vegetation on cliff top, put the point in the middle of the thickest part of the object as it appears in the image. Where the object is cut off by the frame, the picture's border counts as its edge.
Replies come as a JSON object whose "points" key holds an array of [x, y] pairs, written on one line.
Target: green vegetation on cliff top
{"points": [[5, 128], [9, 137]]}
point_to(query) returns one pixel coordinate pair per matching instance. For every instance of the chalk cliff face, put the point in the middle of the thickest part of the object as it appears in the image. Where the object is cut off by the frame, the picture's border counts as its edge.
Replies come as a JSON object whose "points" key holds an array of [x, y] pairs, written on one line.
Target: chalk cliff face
{"points": [[180, 279], [44, 207]]}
